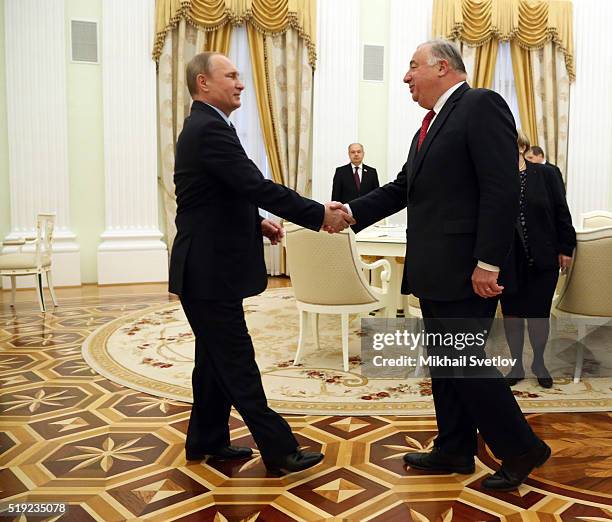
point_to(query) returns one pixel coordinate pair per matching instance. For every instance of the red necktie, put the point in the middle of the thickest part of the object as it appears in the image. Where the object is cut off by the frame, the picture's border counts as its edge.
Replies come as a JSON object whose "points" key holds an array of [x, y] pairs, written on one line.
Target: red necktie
{"points": [[424, 126], [356, 178]]}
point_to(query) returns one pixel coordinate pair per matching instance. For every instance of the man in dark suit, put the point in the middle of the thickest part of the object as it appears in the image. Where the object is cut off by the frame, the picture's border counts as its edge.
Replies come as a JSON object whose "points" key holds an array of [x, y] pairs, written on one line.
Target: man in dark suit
{"points": [[535, 154], [217, 260], [355, 179], [461, 188]]}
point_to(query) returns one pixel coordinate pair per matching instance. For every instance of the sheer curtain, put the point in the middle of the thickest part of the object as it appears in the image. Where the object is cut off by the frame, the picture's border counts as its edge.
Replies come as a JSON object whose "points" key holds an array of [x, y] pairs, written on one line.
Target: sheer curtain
{"points": [[246, 119], [247, 123], [503, 80]]}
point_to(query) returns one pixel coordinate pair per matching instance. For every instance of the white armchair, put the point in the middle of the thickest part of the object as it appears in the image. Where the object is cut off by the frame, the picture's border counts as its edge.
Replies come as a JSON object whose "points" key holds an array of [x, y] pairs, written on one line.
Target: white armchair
{"points": [[596, 219], [587, 293], [31, 256], [327, 275]]}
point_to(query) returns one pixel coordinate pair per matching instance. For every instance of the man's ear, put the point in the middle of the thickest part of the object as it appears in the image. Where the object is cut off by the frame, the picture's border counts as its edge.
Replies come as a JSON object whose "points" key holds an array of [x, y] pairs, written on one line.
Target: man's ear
{"points": [[442, 67], [202, 82]]}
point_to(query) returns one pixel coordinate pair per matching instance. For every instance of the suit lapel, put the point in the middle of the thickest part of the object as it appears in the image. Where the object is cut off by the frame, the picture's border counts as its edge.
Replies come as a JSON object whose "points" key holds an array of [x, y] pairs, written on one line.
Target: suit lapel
{"points": [[437, 125], [410, 162], [365, 178]]}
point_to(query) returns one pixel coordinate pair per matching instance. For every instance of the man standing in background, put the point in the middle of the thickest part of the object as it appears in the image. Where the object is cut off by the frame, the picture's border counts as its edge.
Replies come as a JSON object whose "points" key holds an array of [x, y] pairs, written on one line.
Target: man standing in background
{"points": [[535, 154], [355, 179]]}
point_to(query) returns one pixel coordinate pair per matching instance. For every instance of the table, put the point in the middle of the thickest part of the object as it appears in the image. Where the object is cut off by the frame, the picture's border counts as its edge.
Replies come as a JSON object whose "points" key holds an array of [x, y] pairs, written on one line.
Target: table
{"points": [[388, 241]]}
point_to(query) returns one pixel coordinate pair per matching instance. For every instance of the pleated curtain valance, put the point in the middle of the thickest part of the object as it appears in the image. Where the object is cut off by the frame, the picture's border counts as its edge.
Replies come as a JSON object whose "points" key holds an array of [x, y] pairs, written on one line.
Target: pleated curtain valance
{"points": [[531, 23], [269, 17]]}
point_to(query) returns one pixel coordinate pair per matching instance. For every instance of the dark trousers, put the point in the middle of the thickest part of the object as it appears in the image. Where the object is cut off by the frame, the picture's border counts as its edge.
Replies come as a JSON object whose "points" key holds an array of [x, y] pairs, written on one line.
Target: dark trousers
{"points": [[226, 374], [478, 400]]}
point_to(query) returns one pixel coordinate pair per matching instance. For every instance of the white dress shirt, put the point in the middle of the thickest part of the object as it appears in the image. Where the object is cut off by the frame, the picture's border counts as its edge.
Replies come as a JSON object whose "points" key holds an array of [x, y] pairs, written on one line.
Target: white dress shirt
{"points": [[223, 115]]}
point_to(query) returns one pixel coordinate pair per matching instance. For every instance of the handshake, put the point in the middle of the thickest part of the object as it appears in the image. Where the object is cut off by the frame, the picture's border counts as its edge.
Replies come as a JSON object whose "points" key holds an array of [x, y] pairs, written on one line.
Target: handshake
{"points": [[336, 217]]}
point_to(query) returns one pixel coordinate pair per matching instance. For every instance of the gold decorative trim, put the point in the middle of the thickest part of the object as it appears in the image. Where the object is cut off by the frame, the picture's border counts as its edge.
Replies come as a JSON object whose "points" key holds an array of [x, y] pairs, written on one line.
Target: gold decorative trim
{"points": [[552, 35], [184, 12], [529, 23]]}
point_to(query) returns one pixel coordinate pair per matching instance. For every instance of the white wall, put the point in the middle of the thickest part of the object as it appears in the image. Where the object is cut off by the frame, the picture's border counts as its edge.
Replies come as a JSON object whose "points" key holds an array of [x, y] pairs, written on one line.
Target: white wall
{"points": [[336, 91], [589, 169], [37, 128], [410, 26]]}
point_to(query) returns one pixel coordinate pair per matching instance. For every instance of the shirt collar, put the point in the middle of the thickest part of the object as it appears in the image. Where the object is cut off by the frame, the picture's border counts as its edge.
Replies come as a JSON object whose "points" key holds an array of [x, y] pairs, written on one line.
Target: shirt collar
{"points": [[444, 98], [221, 113], [358, 166]]}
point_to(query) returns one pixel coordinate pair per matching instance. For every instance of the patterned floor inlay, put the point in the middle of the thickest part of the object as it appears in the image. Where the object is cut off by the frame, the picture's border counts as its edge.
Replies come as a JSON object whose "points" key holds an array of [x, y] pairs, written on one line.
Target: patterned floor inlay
{"points": [[116, 454]]}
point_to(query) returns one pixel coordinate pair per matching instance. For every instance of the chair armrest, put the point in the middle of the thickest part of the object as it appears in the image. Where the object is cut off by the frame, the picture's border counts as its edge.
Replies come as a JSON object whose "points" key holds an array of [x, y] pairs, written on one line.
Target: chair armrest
{"points": [[20, 242], [14, 242], [385, 274]]}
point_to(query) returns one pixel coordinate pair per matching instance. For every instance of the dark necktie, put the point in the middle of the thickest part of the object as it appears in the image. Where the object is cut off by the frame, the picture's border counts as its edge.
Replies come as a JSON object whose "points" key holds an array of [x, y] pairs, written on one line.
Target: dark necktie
{"points": [[356, 178], [424, 126]]}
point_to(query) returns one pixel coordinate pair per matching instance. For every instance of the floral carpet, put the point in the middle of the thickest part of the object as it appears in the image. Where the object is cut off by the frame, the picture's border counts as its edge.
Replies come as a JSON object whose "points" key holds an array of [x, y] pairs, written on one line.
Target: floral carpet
{"points": [[152, 351]]}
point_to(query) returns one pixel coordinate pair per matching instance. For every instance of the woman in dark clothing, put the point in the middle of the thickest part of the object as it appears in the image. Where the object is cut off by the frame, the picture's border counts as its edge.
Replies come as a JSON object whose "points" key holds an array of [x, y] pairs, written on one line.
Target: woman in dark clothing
{"points": [[545, 242]]}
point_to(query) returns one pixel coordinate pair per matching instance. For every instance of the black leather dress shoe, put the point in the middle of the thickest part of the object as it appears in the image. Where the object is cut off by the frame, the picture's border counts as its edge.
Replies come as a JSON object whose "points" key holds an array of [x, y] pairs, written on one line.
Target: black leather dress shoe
{"points": [[438, 461], [513, 472], [296, 461], [225, 453], [513, 377]]}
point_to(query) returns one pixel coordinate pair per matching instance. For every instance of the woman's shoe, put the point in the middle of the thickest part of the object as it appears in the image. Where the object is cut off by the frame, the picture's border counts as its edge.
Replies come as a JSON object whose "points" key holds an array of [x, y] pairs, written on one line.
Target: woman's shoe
{"points": [[545, 382], [544, 378]]}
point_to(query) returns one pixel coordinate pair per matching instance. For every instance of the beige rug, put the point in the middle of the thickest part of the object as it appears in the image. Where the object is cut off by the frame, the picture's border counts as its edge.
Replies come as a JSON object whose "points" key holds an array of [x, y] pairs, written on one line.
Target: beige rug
{"points": [[152, 351]]}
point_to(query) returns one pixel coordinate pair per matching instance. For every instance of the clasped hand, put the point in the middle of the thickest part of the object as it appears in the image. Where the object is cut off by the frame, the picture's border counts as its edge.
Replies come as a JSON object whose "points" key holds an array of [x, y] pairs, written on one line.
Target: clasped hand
{"points": [[336, 217], [272, 230]]}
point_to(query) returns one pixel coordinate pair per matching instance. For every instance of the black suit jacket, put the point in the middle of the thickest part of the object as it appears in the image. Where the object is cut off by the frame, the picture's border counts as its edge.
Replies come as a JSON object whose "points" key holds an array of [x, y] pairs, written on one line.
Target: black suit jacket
{"points": [[344, 188], [218, 250], [558, 172], [462, 193], [548, 219]]}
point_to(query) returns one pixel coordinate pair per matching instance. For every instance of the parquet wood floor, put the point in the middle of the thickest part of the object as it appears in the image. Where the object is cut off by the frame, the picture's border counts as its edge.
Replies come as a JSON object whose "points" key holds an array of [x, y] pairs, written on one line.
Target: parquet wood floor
{"points": [[115, 454]]}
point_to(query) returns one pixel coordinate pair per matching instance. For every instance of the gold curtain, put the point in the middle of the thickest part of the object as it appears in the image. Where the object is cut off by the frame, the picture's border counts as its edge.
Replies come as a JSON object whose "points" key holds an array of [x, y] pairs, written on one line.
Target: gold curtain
{"points": [[263, 95], [267, 16], [531, 23], [523, 82], [291, 103], [484, 64], [219, 39], [551, 93], [185, 27], [479, 63]]}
